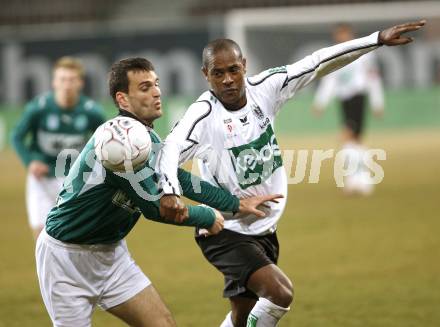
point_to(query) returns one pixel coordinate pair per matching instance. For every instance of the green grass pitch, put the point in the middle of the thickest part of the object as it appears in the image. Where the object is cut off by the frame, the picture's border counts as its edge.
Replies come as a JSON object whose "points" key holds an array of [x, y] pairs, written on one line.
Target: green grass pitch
{"points": [[355, 262]]}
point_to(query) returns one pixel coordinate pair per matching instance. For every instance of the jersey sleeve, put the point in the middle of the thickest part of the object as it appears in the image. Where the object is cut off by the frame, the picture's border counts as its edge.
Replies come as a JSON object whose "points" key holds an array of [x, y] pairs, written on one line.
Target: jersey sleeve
{"points": [[26, 124], [196, 189], [283, 82], [181, 145], [145, 195]]}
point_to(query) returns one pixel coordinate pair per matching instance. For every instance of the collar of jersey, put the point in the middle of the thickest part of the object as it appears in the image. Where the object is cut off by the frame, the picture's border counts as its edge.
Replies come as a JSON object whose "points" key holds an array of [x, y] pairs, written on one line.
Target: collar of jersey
{"points": [[126, 113], [235, 110]]}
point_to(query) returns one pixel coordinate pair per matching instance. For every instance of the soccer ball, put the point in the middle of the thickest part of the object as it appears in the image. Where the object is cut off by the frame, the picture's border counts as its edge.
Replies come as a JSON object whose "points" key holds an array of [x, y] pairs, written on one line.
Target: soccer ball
{"points": [[122, 144]]}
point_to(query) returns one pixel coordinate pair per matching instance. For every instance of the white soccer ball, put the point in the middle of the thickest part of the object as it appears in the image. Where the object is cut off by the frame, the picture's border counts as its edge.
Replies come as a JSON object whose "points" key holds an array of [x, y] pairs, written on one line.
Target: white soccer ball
{"points": [[122, 144]]}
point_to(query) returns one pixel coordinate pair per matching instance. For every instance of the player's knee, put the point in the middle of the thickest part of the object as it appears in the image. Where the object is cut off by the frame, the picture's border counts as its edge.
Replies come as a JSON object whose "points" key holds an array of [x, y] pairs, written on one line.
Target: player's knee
{"points": [[282, 294]]}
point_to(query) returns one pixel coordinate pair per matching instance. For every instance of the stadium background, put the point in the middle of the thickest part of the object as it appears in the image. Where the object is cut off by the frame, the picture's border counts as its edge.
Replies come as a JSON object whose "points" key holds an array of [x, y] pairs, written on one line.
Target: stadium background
{"points": [[354, 261]]}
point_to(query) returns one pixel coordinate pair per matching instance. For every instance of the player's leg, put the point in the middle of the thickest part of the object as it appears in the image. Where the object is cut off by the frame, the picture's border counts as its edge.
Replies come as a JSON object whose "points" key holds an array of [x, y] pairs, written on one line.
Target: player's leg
{"points": [[240, 309], [129, 295], [41, 196], [275, 293], [238, 257], [353, 114], [145, 309], [67, 295], [359, 182]]}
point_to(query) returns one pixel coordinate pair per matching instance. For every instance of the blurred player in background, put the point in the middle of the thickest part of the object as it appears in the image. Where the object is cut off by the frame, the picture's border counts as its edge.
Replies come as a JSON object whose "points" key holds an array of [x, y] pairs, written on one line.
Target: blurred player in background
{"points": [[230, 130], [353, 85], [61, 119], [82, 257]]}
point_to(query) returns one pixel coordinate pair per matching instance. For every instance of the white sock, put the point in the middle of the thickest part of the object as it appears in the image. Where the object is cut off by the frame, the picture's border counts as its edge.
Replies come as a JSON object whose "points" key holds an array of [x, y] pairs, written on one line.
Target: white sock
{"points": [[265, 314], [228, 321]]}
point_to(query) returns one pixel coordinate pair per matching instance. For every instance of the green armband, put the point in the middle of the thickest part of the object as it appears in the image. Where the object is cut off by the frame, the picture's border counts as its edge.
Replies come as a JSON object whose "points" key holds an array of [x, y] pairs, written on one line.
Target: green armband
{"points": [[200, 216]]}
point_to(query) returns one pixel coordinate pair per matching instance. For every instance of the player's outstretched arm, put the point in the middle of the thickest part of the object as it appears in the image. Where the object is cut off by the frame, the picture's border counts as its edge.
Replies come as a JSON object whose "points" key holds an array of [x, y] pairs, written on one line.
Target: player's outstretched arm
{"points": [[326, 60], [196, 189], [144, 194], [394, 35]]}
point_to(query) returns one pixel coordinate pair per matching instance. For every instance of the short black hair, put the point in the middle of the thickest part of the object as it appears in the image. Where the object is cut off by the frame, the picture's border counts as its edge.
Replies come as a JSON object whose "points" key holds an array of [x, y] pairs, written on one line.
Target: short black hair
{"points": [[217, 45], [118, 79]]}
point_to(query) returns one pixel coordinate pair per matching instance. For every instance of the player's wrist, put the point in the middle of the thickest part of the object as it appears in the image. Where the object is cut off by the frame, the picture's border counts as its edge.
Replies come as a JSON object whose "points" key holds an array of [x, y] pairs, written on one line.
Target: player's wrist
{"points": [[380, 38]]}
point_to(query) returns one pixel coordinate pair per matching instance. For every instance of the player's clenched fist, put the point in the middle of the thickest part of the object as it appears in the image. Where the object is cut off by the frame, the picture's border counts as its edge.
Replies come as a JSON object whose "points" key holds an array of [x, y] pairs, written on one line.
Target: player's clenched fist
{"points": [[172, 208]]}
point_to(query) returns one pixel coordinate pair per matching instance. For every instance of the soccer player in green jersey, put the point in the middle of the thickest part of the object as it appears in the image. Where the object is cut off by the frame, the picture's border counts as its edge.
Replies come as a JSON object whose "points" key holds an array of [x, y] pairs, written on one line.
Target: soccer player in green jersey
{"points": [[82, 258], [58, 120]]}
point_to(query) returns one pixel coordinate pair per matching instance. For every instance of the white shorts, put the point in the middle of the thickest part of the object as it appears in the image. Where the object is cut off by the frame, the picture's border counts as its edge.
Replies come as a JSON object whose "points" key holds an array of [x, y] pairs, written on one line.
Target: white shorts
{"points": [[74, 279], [41, 196]]}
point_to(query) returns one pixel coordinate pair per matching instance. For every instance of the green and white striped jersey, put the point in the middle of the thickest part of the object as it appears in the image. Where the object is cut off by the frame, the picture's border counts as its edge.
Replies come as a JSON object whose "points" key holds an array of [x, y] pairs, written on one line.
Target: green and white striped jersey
{"points": [[98, 206], [45, 129]]}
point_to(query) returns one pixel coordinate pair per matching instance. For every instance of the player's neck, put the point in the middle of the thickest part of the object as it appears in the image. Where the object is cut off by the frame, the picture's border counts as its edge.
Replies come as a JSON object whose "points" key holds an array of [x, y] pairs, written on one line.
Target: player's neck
{"points": [[128, 113], [65, 103], [235, 106]]}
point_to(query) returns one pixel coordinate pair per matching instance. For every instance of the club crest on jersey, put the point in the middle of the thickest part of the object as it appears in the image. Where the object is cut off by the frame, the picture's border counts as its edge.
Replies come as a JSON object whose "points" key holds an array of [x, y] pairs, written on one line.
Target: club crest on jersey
{"points": [[257, 111]]}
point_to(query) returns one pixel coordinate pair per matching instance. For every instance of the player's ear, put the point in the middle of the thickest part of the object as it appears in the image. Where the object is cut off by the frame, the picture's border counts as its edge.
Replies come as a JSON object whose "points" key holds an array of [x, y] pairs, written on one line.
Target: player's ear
{"points": [[122, 99], [205, 72], [243, 61]]}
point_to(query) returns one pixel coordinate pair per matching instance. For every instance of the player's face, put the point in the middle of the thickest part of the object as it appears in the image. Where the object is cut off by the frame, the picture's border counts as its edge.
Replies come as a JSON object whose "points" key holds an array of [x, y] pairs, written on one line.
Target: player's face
{"points": [[67, 84], [343, 34], [143, 98], [225, 74]]}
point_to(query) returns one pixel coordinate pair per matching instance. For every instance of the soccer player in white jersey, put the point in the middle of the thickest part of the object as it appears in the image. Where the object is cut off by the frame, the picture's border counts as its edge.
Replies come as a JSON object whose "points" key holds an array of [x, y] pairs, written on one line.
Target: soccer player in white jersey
{"points": [[54, 121], [352, 85], [230, 130]]}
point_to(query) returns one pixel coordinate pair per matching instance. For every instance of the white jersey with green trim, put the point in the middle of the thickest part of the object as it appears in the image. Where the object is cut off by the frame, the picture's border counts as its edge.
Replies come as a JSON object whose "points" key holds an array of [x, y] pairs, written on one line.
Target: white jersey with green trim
{"points": [[238, 150]]}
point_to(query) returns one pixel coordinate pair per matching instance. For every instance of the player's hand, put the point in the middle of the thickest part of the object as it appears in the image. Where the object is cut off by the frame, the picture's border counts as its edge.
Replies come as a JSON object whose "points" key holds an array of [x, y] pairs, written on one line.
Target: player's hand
{"points": [[216, 228], [393, 35], [172, 208], [38, 169], [250, 205]]}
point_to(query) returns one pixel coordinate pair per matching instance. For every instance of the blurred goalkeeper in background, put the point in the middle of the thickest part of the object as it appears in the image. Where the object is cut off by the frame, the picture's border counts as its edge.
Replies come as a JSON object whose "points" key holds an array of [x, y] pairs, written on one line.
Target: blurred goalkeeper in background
{"points": [[354, 86], [229, 129], [82, 257], [58, 120]]}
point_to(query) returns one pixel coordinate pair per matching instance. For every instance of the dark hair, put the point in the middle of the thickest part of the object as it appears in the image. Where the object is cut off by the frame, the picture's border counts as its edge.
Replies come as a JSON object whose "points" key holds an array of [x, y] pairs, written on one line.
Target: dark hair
{"points": [[118, 79], [220, 44]]}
